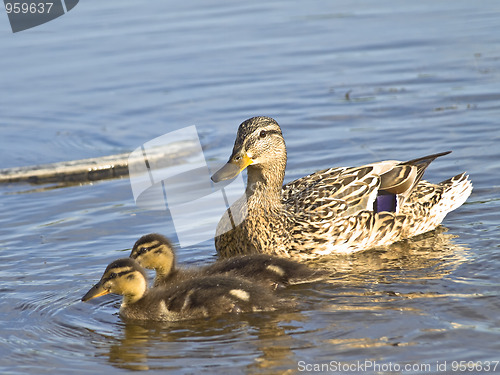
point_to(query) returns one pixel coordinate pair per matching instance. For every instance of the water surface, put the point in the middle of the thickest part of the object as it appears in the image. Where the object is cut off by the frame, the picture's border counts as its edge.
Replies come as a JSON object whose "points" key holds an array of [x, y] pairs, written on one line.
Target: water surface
{"points": [[349, 82]]}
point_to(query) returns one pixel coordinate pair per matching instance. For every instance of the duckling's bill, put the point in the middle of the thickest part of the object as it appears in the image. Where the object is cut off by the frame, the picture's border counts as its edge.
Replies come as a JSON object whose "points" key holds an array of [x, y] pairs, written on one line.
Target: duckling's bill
{"points": [[232, 168], [96, 291]]}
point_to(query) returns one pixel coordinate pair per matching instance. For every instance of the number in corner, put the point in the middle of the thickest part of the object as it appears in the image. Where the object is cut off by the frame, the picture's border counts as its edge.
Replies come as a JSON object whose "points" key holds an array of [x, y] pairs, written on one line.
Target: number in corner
{"points": [[24, 8]]}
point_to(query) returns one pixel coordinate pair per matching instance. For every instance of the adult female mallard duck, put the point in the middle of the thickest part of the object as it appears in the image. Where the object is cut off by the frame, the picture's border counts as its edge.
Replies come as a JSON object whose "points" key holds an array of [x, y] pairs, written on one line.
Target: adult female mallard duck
{"points": [[155, 251], [198, 297], [336, 210]]}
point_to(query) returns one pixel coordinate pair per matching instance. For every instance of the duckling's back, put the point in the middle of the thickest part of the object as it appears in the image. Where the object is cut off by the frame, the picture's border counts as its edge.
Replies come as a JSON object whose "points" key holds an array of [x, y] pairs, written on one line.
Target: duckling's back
{"points": [[268, 269], [201, 298]]}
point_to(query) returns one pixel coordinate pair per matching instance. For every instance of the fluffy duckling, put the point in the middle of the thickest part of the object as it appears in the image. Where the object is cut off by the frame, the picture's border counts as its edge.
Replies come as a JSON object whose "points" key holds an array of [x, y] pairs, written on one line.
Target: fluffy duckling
{"points": [[155, 251], [199, 297]]}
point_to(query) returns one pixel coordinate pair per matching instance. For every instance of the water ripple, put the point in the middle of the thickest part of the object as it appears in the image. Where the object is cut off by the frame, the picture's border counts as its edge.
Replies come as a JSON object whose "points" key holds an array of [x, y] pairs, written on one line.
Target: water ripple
{"points": [[346, 90]]}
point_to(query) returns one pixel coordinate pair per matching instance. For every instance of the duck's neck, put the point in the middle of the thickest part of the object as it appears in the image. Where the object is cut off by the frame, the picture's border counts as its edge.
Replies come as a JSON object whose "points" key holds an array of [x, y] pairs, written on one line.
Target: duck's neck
{"points": [[265, 184], [165, 265], [164, 277], [165, 270], [135, 293]]}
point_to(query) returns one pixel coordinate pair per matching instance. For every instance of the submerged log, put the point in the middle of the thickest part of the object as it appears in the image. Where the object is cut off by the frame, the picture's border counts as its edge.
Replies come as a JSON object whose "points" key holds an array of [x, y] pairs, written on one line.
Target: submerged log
{"points": [[100, 168]]}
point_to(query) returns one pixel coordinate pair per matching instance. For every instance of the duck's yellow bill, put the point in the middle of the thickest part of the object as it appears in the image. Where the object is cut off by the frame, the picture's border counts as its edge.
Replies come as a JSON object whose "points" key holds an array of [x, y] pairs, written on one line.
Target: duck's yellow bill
{"points": [[96, 291], [231, 169]]}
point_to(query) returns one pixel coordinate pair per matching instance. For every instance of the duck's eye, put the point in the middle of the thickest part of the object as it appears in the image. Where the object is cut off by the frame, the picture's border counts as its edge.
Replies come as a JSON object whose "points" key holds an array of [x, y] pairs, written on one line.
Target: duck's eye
{"points": [[263, 134], [237, 158], [142, 250], [113, 275]]}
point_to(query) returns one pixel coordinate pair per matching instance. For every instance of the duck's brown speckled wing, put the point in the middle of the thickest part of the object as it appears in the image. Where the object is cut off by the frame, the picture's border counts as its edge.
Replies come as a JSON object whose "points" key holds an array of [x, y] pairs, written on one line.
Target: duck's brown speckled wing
{"points": [[347, 191]]}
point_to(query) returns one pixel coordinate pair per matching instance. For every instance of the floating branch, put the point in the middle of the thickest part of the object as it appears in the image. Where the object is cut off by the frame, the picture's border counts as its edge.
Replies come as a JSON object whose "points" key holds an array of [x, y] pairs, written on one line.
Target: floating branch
{"points": [[100, 168]]}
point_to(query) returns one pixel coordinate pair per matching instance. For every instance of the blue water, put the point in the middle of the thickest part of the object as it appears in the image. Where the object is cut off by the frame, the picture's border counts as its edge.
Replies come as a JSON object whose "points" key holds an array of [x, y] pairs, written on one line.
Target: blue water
{"points": [[350, 82]]}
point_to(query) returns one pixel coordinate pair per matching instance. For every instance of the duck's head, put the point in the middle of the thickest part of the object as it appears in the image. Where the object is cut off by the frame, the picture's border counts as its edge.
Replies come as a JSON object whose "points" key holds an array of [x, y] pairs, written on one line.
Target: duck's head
{"points": [[123, 276], [259, 145], [154, 251]]}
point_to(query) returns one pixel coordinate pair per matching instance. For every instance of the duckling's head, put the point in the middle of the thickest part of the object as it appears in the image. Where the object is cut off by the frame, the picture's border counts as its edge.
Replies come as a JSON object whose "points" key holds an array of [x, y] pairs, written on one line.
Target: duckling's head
{"points": [[154, 251], [124, 277], [259, 145]]}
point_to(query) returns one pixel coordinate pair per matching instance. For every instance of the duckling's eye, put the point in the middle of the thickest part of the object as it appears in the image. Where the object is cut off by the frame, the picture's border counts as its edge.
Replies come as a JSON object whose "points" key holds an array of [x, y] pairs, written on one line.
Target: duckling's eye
{"points": [[113, 275], [263, 134], [237, 158], [142, 250]]}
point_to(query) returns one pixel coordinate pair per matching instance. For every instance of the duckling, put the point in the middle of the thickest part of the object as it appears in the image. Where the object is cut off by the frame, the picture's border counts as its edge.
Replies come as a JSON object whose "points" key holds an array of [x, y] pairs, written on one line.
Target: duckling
{"points": [[198, 297], [155, 251], [335, 210]]}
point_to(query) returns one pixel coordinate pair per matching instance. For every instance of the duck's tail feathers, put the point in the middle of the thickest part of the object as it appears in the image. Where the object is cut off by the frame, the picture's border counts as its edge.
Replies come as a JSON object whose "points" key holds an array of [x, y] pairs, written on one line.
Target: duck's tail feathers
{"points": [[422, 164], [456, 191], [317, 275]]}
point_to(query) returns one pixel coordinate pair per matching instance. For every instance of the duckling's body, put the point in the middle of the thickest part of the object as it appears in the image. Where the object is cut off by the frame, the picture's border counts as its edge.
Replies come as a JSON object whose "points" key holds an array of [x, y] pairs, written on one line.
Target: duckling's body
{"points": [[198, 297], [155, 251], [201, 297], [277, 271], [336, 210]]}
